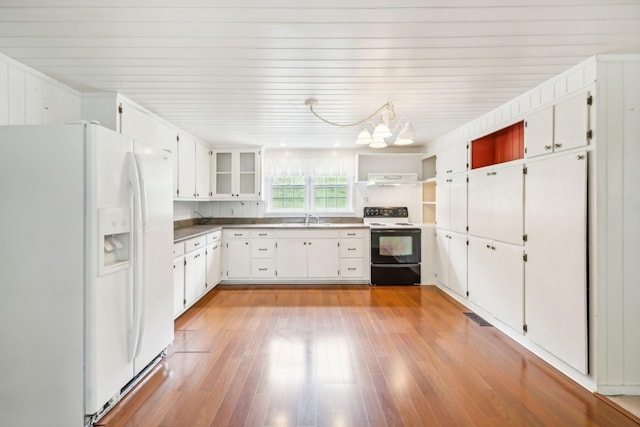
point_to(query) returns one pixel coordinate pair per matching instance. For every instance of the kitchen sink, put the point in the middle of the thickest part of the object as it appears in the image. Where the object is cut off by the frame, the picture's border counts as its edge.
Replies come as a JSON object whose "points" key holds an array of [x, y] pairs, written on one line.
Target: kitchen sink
{"points": [[302, 225]]}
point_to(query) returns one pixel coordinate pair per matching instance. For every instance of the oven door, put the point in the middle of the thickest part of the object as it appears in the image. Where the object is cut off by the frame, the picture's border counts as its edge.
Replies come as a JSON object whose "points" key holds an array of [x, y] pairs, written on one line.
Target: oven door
{"points": [[395, 246]]}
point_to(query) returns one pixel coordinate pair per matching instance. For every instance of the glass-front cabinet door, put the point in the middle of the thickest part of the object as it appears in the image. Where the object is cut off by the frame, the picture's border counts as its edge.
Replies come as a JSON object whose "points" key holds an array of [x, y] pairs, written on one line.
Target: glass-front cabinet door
{"points": [[236, 174]]}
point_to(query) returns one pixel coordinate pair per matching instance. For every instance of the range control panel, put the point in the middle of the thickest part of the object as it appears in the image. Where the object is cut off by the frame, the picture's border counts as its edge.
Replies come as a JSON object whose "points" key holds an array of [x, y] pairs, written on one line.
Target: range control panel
{"points": [[386, 212]]}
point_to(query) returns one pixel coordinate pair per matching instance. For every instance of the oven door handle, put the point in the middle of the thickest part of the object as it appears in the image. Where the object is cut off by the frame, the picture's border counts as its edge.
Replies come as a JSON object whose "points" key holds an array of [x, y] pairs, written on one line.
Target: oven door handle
{"points": [[396, 231]]}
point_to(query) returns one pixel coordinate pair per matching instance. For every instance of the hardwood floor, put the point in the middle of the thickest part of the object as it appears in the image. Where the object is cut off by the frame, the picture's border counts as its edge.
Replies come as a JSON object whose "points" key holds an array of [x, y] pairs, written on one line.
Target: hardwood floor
{"points": [[350, 356]]}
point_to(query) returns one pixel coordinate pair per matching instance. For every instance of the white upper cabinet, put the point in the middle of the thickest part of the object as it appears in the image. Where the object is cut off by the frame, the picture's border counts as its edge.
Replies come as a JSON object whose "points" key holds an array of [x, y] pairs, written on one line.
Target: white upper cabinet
{"points": [[559, 127], [120, 114], [454, 160], [202, 170], [496, 197], [186, 168], [193, 168], [236, 174], [538, 132], [451, 206], [571, 125]]}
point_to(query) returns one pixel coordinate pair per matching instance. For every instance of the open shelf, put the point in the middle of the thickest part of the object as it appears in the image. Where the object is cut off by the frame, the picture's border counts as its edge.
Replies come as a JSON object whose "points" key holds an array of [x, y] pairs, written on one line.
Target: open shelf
{"points": [[429, 202], [501, 146]]}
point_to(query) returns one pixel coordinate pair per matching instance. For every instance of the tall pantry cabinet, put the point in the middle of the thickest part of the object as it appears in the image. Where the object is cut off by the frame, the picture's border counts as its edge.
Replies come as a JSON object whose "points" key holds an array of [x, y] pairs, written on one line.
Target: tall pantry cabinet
{"points": [[451, 218], [552, 249]]}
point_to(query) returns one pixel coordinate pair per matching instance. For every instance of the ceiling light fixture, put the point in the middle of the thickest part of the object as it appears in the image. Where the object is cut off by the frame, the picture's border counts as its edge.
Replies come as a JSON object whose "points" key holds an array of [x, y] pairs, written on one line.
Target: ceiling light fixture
{"points": [[385, 129]]}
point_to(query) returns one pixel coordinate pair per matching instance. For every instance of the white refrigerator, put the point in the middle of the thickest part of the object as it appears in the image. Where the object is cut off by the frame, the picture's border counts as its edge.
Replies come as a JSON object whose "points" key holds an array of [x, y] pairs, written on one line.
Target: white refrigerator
{"points": [[85, 268]]}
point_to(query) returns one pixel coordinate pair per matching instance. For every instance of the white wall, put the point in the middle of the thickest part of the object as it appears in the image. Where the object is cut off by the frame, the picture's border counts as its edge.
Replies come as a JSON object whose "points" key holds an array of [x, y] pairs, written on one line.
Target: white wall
{"points": [[616, 267], [28, 97]]}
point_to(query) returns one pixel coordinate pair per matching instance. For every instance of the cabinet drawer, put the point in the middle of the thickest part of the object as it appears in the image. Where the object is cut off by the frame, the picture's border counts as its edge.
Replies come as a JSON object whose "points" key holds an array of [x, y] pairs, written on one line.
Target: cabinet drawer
{"points": [[236, 234], [213, 237], [263, 268], [352, 234], [178, 249], [351, 248], [262, 234], [197, 243], [352, 267], [263, 248]]}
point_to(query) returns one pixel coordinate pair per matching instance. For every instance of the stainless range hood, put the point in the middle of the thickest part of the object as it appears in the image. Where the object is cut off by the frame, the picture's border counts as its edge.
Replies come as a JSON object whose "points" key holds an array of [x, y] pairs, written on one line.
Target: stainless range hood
{"points": [[392, 179]]}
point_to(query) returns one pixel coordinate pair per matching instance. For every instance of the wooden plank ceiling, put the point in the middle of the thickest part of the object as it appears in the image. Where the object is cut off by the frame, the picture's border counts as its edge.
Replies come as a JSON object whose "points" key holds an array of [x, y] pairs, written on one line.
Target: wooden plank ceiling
{"points": [[239, 71]]}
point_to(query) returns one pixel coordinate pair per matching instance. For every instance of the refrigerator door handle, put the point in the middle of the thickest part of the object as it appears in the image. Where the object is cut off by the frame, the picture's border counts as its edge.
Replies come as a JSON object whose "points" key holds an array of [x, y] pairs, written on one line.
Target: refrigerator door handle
{"points": [[141, 260], [134, 183]]}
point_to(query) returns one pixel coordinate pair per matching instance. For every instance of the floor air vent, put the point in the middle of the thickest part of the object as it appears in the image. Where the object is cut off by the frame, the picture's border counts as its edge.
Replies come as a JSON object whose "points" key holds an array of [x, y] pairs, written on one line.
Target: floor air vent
{"points": [[479, 320]]}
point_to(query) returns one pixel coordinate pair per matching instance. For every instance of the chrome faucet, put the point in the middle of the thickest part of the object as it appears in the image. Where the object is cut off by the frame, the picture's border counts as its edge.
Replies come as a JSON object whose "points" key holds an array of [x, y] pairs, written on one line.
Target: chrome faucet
{"points": [[307, 216]]}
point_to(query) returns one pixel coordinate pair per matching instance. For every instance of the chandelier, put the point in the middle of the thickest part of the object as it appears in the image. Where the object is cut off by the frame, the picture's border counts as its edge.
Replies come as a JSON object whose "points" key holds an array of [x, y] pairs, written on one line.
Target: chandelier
{"points": [[387, 131]]}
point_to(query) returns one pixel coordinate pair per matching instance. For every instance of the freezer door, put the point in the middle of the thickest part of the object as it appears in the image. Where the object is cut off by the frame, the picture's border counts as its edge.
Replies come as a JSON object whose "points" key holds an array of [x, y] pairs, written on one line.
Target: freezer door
{"points": [[155, 168], [108, 293]]}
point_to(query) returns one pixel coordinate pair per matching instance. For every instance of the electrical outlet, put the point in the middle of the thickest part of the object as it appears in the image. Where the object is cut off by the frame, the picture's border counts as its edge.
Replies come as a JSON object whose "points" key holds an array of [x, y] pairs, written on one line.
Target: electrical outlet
{"points": [[233, 212], [365, 199]]}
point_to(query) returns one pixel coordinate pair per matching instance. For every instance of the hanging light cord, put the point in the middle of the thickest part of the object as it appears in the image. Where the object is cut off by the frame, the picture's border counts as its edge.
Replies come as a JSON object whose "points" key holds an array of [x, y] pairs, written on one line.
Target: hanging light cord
{"points": [[388, 106]]}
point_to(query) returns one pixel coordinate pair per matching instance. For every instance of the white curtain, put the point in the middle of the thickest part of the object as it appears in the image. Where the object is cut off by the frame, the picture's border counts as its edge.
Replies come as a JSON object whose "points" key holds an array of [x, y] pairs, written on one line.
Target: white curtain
{"points": [[309, 163]]}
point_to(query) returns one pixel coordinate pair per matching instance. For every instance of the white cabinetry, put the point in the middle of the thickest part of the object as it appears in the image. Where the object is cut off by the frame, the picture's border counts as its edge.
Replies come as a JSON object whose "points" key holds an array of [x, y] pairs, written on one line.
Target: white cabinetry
{"points": [[178, 279], [312, 254], [559, 127], [214, 259], [193, 168], [195, 269], [292, 258], [452, 261], [496, 280], [556, 267], [263, 252], [276, 254], [451, 206], [496, 196], [353, 250], [120, 114], [236, 174], [237, 254], [452, 161]]}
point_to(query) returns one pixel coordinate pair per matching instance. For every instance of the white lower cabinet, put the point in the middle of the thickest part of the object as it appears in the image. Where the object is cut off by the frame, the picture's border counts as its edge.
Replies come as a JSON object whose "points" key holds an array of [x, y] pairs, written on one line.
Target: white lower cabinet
{"points": [[214, 259], [263, 252], [496, 280], [307, 256], [178, 282], [195, 276], [238, 259], [354, 246], [196, 270], [556, 267], [452, 261], [273, 254]]}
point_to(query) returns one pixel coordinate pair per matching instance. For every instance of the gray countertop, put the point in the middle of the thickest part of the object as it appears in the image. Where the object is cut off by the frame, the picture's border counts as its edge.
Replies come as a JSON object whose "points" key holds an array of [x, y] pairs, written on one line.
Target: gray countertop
{"points": [[185, 233]]}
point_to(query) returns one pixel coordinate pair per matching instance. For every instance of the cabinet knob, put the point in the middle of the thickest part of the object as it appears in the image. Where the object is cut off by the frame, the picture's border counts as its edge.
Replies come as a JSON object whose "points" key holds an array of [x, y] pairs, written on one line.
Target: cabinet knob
{"points": [[547, 147], [557, 145], [246, 243]]}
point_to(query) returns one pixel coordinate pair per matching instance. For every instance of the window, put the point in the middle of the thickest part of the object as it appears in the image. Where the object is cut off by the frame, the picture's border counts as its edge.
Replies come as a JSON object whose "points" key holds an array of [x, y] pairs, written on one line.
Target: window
{"points": [[310, 194], [331, 193], [288, 193], [317, 182]]}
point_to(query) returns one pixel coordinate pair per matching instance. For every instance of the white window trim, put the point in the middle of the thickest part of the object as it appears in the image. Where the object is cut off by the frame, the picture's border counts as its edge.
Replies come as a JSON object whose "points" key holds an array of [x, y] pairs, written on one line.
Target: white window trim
{"points": [[308, 201]]}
